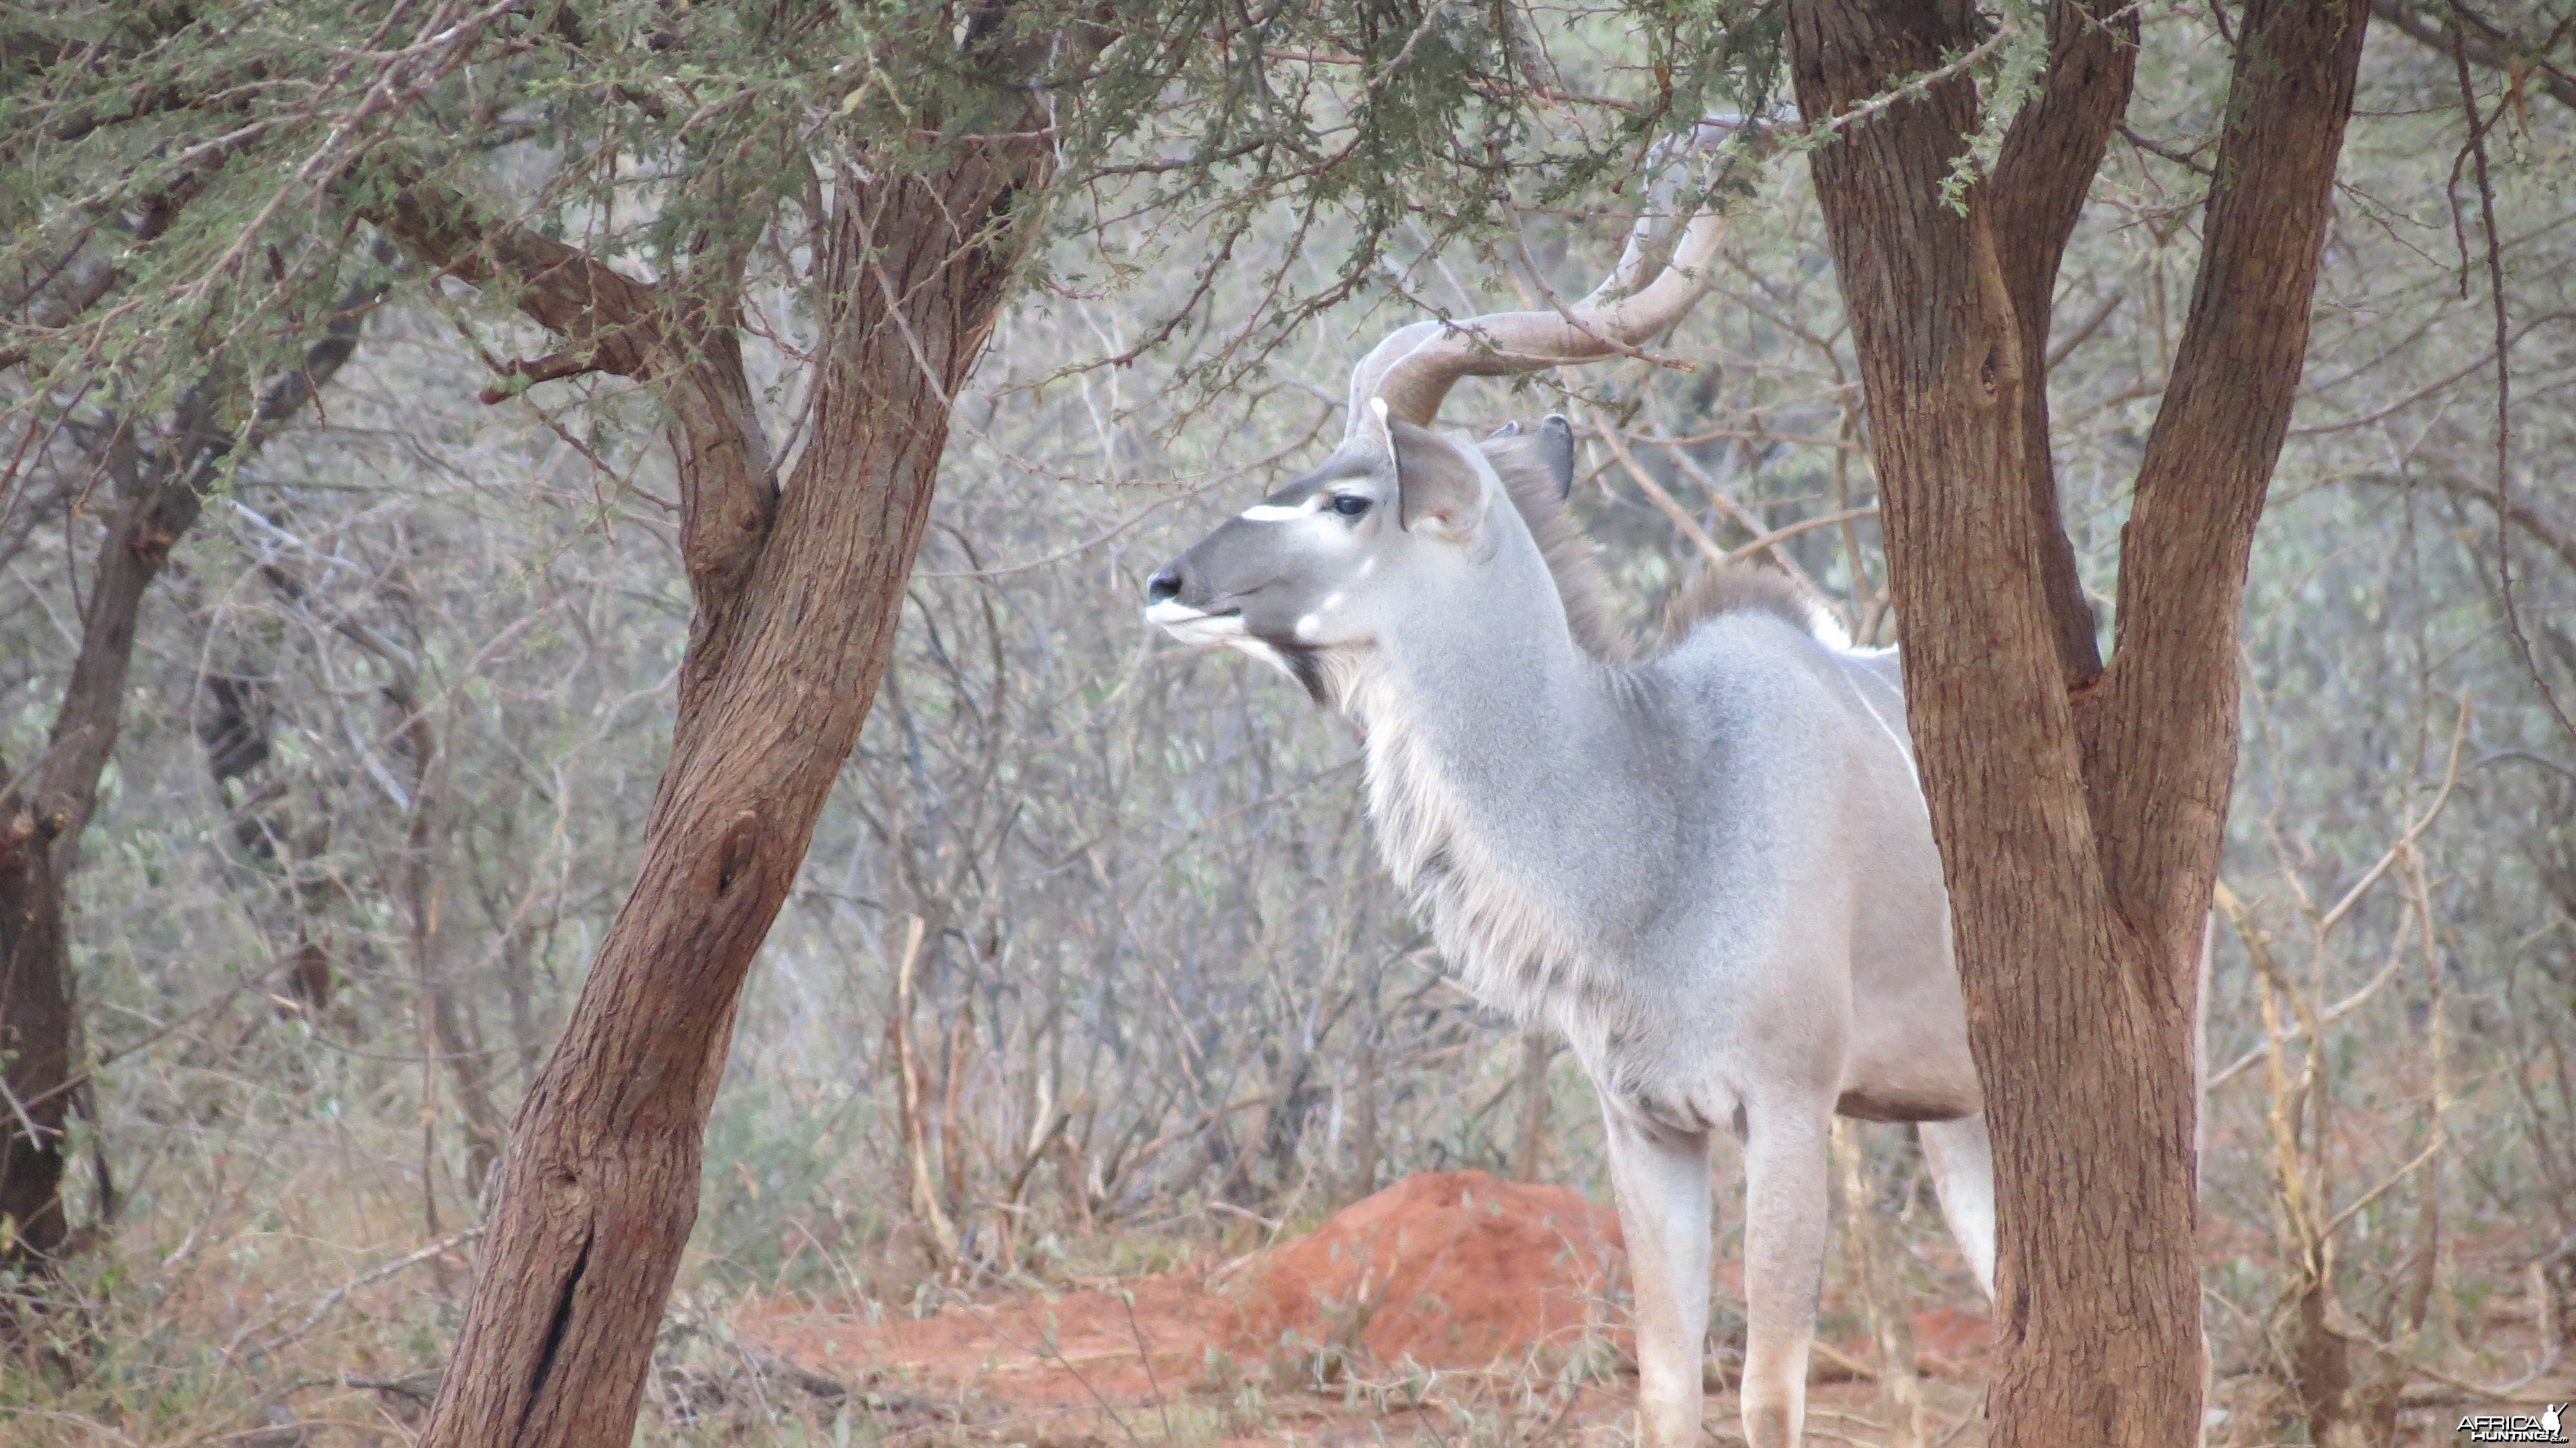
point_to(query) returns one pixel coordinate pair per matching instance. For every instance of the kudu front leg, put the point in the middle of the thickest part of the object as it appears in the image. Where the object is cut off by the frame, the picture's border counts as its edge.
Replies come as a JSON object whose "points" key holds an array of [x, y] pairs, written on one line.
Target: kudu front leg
{"points": [[1785, 1223], [1661, 1179]]}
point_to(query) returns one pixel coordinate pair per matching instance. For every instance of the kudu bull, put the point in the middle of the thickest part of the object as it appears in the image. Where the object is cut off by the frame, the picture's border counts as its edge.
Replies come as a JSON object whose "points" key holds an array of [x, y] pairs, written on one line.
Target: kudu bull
{"points": [[1711, 868]]}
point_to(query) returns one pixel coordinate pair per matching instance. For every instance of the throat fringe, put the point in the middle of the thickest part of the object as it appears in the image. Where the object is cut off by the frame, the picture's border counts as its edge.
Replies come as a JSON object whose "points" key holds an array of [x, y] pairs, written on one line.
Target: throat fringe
{"points": [[1496, 930]]}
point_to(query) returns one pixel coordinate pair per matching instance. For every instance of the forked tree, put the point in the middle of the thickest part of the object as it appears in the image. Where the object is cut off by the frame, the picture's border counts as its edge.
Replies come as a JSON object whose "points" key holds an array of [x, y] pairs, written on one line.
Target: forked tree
{"points": [[874, 176], [912, 244], [798, 586], [2078, 802]]}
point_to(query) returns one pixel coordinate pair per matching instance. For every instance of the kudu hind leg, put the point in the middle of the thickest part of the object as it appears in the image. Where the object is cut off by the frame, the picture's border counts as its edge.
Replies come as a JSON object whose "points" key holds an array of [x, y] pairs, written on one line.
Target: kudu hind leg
{"points": [[1785, 1223], [1962, 1159], [1661, 1180]]}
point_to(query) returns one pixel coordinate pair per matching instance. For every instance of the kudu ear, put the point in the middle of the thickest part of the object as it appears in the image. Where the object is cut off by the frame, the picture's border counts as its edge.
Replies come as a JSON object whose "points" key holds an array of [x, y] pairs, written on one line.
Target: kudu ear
{"points": [[1435, 482], [1556, 448]]}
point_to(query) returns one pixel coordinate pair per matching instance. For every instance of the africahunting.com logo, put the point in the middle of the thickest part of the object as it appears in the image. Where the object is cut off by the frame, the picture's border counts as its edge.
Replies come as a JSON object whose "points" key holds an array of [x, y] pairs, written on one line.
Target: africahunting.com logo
{"points": [[2548, 1426]]}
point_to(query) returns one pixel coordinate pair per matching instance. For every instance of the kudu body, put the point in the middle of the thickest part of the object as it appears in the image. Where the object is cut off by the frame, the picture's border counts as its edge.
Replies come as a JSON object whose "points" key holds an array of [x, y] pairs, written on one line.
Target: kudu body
{"points": [[1712, 870]]}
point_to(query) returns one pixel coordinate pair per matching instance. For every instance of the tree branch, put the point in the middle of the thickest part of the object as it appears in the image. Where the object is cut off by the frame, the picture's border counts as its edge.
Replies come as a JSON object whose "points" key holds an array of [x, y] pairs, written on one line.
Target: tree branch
{"points": [[171, 492], [2049, 160], [614, 320], [2163, 749], [2559, 541], [616, 324], [2487, 46]]}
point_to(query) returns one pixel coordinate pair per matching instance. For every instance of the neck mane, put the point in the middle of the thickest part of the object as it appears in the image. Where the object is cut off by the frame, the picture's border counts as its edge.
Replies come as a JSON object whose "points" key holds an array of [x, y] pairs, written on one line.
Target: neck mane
{"points": [[1511, 747], [1494, 746]]}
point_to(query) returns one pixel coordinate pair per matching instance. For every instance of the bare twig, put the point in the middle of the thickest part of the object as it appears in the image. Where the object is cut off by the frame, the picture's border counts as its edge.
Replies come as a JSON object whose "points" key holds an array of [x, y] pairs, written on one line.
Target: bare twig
{"points": [[331, 1300], [2504, 374]]}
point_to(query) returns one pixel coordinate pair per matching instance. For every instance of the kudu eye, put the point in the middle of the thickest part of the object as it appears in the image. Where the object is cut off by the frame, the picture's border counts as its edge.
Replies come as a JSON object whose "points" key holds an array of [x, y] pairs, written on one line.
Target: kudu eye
{"points": [[1350, 505]]}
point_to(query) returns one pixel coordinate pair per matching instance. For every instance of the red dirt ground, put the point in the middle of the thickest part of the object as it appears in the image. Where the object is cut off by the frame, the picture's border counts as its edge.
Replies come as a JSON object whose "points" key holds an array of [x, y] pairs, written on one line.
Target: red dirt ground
{"points": [[1449, 1269], [1455, 1271]]}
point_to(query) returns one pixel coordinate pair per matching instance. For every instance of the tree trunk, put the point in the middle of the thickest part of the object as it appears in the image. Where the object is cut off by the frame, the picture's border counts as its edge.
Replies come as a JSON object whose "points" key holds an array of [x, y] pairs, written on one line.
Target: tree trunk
{"points": [[2079, 813], [36, 1030], [46, 808], [234, 727], [1529, 1154], [798, 594], [1364, 1128]]}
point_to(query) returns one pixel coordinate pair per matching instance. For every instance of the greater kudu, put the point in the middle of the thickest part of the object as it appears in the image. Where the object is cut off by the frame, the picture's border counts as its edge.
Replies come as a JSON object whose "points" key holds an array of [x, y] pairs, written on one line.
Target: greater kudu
{"points": [[1711, 869]]}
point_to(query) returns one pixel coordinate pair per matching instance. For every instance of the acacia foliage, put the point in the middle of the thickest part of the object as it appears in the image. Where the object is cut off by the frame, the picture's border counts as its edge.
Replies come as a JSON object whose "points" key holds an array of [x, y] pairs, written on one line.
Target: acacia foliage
{"points": [[189, 183]]}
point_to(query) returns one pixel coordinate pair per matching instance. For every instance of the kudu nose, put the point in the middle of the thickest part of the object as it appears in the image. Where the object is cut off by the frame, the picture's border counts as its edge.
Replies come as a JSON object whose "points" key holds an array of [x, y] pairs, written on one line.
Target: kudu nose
{"points": [[1163, 587]]}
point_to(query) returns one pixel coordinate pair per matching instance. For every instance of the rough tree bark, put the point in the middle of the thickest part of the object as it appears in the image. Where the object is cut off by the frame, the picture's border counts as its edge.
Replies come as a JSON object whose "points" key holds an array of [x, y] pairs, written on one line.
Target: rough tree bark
{"points": [[2079, 808], [43, 811], [798, 591]]}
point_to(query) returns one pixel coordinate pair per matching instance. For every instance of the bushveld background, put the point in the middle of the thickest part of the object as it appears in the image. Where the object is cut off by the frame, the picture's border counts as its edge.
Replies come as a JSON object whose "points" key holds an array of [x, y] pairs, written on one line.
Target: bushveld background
{"points": [[1091, 974]]}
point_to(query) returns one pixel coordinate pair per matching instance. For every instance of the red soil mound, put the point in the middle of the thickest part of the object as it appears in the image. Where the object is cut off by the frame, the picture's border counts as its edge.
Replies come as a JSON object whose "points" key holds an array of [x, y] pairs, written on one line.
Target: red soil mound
{"points": [[1449, 1269]]}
